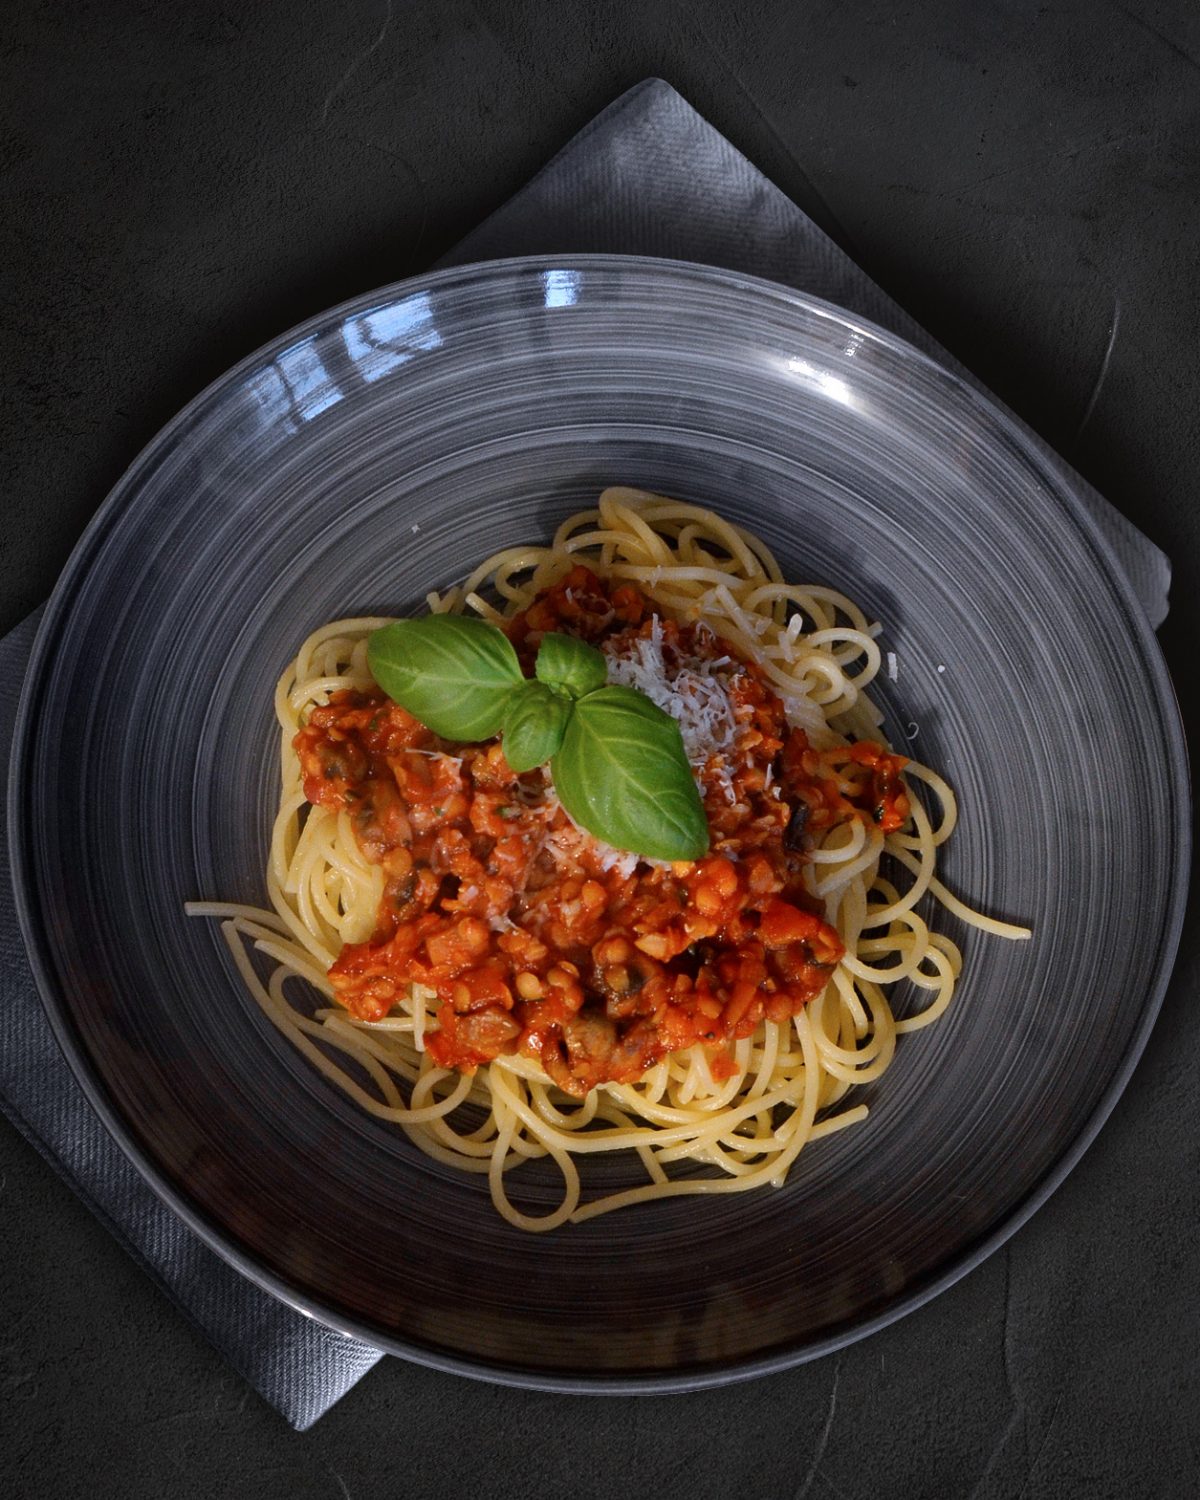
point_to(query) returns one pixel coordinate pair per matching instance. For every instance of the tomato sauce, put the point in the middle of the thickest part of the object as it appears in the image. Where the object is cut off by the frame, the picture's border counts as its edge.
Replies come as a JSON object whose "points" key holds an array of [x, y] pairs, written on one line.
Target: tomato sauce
{"points": [[536, 938]]}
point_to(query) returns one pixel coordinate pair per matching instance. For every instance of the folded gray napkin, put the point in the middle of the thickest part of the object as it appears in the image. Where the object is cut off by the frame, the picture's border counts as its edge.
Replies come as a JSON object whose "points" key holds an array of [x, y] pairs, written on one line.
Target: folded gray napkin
{"points": [[648, 176], [300, 1366]]}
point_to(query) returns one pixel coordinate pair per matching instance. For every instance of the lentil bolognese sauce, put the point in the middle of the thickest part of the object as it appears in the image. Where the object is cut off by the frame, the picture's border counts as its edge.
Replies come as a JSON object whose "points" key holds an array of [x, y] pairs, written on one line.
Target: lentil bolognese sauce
{"points": [[485, 950]]}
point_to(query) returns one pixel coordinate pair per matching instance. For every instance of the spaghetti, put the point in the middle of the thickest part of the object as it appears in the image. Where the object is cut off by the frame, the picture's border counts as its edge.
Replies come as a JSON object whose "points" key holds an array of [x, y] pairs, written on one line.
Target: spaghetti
{"points": [[489, 1060]]}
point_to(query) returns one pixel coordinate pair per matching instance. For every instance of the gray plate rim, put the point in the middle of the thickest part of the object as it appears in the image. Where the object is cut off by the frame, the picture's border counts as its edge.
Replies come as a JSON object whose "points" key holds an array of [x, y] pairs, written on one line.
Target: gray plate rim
{"points": [[221, 1240]]}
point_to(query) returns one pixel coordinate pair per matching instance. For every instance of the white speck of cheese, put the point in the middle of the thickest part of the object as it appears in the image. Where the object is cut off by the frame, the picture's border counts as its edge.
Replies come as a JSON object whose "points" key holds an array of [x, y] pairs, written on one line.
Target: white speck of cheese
{"points": [[694, 690]]}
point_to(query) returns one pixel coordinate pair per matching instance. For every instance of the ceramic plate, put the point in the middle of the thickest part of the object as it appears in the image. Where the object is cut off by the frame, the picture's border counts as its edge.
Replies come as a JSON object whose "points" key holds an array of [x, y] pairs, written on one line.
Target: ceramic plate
{"points": [[382, 450]]}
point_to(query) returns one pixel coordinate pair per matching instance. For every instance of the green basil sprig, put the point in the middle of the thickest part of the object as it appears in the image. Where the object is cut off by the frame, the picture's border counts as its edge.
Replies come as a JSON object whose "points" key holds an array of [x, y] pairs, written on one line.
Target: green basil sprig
{"points": [[564, 661], [453, 672], [610, 776], [534, 724], [617, 760]]}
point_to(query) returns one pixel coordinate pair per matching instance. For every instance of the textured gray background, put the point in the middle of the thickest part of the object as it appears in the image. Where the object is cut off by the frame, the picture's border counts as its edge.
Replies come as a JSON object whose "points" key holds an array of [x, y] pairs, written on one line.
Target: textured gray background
{"points": [[180, 183]]}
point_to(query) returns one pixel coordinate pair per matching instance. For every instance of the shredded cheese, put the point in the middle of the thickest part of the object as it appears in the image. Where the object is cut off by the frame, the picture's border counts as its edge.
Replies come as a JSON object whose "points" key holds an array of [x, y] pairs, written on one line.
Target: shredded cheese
{"points": [[694, 690]]}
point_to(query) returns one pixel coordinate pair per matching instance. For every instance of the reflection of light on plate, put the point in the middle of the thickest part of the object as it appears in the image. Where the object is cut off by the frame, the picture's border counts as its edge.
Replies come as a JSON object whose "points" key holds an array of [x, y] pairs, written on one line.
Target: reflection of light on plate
{"points": [[388, 337], [562, 288], [829, 385], [296, 385], [313, 388]]}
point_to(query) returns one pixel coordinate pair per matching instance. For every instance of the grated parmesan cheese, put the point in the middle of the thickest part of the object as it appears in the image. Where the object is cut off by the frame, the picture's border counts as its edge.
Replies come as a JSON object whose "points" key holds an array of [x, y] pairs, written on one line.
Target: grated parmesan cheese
{"points": [[694, 690], [621, 860], [435, 755]]}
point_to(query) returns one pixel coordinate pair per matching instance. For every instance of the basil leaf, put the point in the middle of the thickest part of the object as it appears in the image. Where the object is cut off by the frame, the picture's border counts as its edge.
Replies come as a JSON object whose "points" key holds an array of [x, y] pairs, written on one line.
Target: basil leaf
{"points": [[453, 672], [565, 661], [534, 720], [621, 774]]}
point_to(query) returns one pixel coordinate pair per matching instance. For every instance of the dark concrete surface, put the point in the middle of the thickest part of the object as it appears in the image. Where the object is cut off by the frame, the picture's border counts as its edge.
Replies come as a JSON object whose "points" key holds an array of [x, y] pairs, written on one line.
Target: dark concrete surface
{"points": [[181, 181]]}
